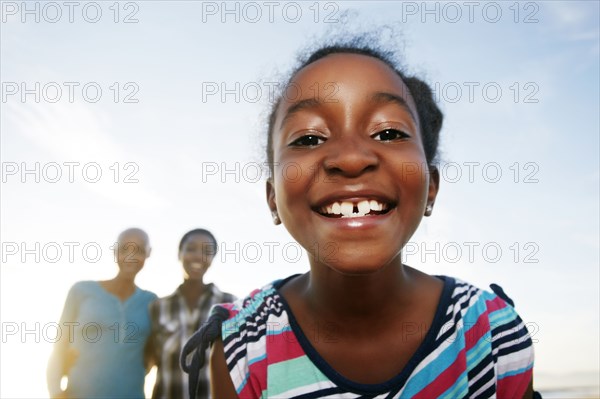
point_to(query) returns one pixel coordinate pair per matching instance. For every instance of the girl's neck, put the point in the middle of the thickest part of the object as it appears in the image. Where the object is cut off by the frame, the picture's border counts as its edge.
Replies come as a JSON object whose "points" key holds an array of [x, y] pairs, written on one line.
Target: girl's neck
{"points": [[192, 290], [121, 281], [193, 285], [358, 297]]}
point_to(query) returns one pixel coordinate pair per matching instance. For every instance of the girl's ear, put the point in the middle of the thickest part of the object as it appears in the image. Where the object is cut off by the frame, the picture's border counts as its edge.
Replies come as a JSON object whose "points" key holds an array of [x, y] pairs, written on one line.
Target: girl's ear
{"points": [[271, 195], [434, 186], [271, 201]]}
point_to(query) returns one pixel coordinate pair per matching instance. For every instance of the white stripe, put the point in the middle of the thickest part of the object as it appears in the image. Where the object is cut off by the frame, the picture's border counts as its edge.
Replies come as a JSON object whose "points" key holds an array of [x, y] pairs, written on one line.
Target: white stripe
{"points": [[515, 361], [433, 355], [511, 330], [481, 374], [316, 387], [484, 387]]}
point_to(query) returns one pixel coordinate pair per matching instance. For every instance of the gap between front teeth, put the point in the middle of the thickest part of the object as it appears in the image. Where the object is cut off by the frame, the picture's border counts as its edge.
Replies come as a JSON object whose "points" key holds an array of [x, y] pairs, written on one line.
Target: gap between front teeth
{"points": [[346, 208]]}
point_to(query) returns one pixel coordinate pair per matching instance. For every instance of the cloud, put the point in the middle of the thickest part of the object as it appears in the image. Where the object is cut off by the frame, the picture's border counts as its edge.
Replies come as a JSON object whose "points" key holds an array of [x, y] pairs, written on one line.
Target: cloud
{"points": [[577, 20], [76, 133]]}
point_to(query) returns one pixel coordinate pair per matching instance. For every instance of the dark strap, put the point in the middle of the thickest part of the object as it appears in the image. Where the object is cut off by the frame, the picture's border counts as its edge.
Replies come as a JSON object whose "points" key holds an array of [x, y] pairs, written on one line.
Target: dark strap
{"points": [[500, 292], [198, 344]]}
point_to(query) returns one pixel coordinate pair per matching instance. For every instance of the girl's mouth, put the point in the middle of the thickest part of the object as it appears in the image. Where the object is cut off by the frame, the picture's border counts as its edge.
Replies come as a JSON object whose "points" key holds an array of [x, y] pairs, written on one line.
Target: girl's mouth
{"points": [[354, 209]]}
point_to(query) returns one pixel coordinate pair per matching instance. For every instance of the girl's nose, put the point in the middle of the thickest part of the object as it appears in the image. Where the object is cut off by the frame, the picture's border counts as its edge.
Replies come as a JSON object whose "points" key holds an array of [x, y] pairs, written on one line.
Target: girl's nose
{"points": [[351, 158]]}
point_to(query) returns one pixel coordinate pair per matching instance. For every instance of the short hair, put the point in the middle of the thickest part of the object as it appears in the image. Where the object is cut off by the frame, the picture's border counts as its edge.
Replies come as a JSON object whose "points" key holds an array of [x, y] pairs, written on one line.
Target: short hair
{"points": [[136, 231], [194, 232]]}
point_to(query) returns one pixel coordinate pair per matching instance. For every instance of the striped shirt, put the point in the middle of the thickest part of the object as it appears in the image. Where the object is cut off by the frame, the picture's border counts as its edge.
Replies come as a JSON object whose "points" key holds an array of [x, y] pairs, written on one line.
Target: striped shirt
{"points": [[173, 323], [477, 347]]}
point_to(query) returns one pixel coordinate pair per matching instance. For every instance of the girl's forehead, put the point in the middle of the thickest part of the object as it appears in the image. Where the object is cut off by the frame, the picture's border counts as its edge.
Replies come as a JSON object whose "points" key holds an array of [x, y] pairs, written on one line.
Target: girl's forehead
{"points": [[133, 238], [342, 67], [346, 77], [198, 238]]}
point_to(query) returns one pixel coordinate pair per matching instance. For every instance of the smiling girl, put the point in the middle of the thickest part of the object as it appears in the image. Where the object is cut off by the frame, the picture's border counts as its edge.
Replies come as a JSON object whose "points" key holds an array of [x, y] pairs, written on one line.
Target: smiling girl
{"points": [[360, 323]]}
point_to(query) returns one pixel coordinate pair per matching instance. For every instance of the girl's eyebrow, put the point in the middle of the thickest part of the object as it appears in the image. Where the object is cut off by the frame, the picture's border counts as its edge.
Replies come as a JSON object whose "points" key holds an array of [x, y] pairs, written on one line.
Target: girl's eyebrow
{"points": [[307, 103], [386, 98], [378, 98]]}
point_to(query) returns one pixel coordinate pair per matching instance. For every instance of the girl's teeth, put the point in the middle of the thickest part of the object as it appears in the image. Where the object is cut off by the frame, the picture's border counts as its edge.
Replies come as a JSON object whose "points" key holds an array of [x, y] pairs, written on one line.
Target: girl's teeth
{"points": [[347, 208], [375, 206], [363, 207], [336, 208]]}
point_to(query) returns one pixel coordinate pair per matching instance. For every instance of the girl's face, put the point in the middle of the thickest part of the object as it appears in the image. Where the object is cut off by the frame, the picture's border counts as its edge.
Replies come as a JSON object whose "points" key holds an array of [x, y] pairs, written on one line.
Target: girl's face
{"points": [[351, 181], [196, 255]]}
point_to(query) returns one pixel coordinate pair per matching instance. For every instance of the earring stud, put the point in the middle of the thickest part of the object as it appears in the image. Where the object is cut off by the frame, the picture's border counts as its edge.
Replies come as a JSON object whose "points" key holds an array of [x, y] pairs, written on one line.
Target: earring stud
{"points": [[276, 219], [428, 209]]}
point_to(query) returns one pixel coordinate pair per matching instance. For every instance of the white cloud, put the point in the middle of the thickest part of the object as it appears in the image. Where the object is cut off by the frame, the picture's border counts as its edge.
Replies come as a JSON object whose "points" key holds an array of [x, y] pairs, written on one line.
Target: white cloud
{"points": [[75, 133]]}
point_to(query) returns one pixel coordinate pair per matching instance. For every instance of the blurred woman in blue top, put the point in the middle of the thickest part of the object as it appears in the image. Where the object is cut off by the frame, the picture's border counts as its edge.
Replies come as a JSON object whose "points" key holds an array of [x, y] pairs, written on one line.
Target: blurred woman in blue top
{"points": [[105, 326]]}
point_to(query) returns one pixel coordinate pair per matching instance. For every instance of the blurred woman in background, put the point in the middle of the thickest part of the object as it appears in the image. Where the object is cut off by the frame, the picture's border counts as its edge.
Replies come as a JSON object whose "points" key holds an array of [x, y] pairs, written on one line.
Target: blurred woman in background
{"points": [[176, 317], [105, 326]]}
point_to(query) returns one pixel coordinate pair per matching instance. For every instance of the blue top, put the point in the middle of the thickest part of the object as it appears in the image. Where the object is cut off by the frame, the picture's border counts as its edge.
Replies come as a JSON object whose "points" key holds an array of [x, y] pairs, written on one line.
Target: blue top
{"points": [[109, 336]]}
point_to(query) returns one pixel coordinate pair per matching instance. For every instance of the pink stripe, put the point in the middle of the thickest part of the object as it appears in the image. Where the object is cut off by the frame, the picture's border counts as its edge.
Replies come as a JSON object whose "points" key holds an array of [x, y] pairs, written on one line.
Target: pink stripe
{"points": [[230, 308], [446, 379], [254, 386], [514, 386], [495, 304], [283, 346]]}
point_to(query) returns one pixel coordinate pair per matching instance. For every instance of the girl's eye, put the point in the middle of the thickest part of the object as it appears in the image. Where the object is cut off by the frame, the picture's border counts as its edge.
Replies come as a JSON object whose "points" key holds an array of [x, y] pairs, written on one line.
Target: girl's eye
{"points": [[390, 135], [310, 140]]}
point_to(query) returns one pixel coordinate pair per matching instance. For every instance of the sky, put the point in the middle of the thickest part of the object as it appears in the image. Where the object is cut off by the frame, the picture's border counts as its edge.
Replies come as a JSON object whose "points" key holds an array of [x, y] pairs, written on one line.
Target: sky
{"points": [[152, 114]]}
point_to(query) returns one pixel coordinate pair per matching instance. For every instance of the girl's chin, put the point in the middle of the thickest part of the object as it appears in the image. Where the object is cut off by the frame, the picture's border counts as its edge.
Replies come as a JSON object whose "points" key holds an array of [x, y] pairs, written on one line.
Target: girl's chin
{"points": [[356, 270], [129, 270], [353, 261], [357, 266], [194, 276]]}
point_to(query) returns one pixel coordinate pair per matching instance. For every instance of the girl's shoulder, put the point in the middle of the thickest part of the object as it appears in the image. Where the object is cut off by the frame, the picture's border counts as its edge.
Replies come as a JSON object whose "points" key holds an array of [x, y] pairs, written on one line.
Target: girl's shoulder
{"points": [[487, 312], [484, 327], [469, 300], [261, 307], [243, 326]]}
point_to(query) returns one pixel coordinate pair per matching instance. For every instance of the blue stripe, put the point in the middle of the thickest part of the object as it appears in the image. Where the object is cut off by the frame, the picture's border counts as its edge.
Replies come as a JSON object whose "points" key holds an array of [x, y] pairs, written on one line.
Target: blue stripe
{"points": [[437, 366], [257, 359], [479, 351], [473, 313], [515, 372], [502, 316], [459, 389], [243, 384], [276, 332], [240, 318]]}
